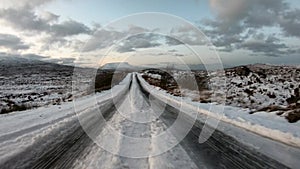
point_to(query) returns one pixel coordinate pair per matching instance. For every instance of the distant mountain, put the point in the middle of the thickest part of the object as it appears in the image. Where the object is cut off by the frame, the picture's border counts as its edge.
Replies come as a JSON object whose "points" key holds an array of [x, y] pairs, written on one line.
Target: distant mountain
{"points": [[119, 66], [174, 66], [17, 61], [20, 65]]}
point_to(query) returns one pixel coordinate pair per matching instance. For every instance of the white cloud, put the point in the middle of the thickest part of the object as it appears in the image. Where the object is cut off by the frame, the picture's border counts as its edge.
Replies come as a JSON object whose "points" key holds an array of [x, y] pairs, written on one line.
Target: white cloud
{"points": [[237, 22], [12, 42]]}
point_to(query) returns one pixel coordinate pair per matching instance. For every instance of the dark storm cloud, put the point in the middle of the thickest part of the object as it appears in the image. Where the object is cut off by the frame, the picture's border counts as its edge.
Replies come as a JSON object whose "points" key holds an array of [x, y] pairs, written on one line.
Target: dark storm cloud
{"points": [[269, 46], [69, 28], [136, 38], [139, 41], [102, 39], [126, 40], [25, 19], [290, 23], [237, 21], [24, 3], [12, 42], [239, 14], [185, 35], [228, 41], [172, 41]]}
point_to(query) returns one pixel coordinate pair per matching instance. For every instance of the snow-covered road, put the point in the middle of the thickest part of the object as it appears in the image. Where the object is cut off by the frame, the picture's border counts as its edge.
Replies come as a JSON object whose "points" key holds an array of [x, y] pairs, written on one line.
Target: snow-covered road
{"points": [[127, 135]]}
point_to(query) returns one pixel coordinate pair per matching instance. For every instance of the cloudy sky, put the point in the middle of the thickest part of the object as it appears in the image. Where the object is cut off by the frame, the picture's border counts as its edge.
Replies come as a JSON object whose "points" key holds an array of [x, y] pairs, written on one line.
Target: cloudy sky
{"points": [[93, 32]]}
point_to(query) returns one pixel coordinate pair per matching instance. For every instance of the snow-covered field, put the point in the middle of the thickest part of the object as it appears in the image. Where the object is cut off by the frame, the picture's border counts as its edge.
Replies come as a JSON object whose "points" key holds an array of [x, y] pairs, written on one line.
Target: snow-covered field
{"points": [[259, 87], [262, 123], [48, 125], [27, 84]]}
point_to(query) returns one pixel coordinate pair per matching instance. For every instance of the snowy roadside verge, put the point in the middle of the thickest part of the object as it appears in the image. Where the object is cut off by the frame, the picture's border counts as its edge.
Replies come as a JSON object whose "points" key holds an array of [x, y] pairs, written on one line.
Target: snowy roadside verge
{"points": [[274, 128], [17, 121], [22, 130], [281, 144]]}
